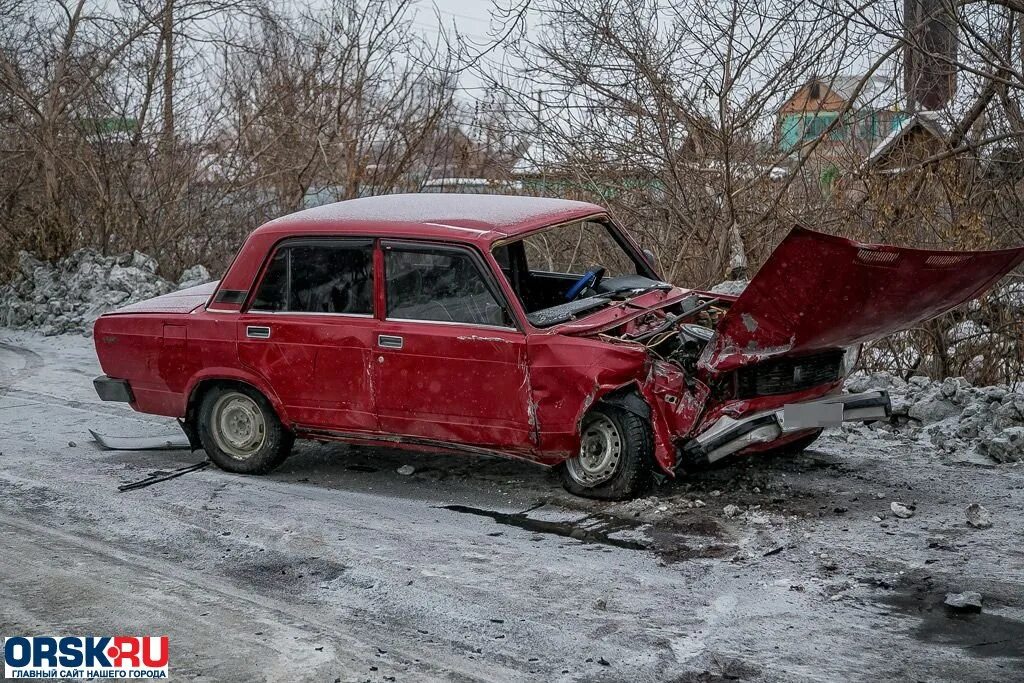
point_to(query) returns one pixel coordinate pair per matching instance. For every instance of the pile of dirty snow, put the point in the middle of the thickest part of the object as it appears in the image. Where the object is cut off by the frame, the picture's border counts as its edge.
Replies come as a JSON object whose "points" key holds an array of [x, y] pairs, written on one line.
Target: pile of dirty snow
{"points": [[730, 287], [67, 296], [952, 415]]}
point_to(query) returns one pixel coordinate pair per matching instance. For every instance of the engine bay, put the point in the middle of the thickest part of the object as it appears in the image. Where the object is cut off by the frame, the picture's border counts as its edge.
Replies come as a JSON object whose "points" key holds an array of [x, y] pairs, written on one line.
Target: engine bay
{"points": [[677, 333]]}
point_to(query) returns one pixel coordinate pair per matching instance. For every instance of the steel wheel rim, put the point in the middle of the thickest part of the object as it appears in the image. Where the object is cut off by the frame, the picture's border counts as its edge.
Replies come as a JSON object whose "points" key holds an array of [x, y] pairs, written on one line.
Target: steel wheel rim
{"points": [[600, 453], [238, 425]]}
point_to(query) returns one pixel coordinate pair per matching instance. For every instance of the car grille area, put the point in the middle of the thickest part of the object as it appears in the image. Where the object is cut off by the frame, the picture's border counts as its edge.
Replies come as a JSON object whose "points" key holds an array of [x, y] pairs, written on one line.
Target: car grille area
{"points": [[786, 375]]}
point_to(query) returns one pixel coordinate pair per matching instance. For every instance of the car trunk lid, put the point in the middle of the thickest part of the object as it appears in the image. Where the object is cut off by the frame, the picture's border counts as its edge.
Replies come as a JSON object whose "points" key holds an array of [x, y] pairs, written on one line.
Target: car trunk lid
{"points": [[819, 292], [181, 301]]}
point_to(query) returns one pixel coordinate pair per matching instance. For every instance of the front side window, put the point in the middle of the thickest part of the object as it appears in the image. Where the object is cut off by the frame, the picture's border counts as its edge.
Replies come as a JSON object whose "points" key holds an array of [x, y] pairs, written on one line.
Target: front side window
{"points": [[442, 285], [319, 278]]}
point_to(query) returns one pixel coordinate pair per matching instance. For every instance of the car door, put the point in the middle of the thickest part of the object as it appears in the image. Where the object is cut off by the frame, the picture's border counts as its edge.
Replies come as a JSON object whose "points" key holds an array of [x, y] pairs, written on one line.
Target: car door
{"points": [[450, 363], [309, 331]]}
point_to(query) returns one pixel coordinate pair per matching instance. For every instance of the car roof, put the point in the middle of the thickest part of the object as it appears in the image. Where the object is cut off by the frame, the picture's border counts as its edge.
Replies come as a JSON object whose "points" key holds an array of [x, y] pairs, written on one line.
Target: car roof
{"points": [[457, 217]]}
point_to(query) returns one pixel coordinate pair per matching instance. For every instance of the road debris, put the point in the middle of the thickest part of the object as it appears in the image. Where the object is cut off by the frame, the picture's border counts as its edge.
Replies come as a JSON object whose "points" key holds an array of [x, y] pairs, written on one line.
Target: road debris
{"points": [[968, 601], [161, 475], [406, 470], [900, 510], [141, 443], [978, 517]]}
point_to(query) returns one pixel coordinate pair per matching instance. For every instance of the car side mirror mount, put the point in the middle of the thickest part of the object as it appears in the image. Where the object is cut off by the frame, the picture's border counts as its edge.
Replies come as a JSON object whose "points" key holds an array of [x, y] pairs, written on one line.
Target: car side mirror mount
{"points": [[649, 256]]}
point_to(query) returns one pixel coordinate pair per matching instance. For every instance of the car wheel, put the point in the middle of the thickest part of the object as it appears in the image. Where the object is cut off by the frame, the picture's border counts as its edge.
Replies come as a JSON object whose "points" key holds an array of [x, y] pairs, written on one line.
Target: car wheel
{"points": [[240, 431], [616, 458]]}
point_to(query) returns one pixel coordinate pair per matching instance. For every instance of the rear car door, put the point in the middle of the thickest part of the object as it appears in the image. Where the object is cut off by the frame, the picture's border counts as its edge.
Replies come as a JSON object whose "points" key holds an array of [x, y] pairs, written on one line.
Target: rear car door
{"points": [[451, 364], [309, 330]]}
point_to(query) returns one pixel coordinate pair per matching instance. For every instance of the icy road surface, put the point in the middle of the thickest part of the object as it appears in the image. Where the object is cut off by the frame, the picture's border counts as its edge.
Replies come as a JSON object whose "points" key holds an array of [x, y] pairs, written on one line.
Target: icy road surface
{"points": [[336, 567]]}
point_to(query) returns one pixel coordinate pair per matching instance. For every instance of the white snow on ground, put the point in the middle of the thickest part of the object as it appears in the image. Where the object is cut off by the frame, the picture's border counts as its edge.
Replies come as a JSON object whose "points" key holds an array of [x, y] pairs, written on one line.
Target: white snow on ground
{"points": [[951, 416], [773, 569], [69, 295]]}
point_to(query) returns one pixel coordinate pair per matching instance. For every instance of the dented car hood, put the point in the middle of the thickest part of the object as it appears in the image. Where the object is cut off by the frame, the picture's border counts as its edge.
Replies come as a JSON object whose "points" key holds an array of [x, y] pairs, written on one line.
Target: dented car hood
{"points": [[818, 291]]}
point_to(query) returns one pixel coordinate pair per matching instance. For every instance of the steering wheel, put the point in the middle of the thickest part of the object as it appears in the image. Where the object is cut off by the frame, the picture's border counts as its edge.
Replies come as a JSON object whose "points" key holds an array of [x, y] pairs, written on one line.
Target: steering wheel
{"points": [[591, 278]]}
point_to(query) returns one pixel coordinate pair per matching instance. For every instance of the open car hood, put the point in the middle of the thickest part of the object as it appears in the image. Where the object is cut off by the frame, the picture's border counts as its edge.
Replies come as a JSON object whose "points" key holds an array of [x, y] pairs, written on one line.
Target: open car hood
{"points": [[819, 292]]}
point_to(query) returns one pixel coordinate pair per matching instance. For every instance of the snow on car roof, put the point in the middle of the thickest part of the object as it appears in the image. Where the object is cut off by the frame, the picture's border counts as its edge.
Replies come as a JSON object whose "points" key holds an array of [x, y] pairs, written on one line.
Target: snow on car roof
{"points": [[480, 213]]}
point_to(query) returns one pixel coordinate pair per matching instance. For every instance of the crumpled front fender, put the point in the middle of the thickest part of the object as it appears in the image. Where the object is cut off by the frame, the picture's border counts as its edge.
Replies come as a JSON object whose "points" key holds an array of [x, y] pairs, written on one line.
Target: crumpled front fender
{"points": [[675, 407]]}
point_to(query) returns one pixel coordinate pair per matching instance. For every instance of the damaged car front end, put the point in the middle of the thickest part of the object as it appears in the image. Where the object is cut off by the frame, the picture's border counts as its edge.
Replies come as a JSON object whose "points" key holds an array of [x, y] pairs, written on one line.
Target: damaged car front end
{"points": [[714, 375]]}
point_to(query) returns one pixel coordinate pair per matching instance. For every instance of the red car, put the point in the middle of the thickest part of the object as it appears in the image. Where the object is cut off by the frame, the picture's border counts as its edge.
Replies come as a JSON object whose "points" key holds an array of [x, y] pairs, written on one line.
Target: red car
{"points": [[517, 326]]}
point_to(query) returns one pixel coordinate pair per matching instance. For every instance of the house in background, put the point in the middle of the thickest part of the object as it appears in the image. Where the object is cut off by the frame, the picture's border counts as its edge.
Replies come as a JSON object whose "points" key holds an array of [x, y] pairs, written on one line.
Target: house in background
{"points": [[861, 118], [911, 141]]}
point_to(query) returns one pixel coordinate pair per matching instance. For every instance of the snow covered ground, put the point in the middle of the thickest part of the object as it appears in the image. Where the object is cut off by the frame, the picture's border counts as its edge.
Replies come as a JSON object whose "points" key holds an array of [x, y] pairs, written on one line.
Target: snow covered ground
{"points": [[337, 567]]}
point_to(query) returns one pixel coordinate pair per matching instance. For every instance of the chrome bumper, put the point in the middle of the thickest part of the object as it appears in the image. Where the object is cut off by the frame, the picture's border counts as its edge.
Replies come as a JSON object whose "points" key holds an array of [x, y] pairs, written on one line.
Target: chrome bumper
{"points": [[729, 435]]}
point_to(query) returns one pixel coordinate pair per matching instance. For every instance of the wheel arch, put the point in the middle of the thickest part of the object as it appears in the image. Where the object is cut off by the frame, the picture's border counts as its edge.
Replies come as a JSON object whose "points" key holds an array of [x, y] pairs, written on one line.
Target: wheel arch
{"points": [[223, 377], [630, 397]]}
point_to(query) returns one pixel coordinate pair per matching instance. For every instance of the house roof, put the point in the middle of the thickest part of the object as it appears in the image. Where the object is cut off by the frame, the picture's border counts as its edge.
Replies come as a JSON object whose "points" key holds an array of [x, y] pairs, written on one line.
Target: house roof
{"points": [[925, 120], [876, 92]]}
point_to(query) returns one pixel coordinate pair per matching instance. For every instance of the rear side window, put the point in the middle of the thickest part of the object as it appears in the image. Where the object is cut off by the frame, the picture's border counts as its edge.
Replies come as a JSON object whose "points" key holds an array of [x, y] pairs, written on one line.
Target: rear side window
{"points": [[439, 285], [319, 278]]}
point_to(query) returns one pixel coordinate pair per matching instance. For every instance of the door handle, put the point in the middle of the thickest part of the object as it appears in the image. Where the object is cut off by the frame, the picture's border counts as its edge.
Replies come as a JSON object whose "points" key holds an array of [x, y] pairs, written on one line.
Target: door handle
{"points": [[388, 341], [257, 332]]}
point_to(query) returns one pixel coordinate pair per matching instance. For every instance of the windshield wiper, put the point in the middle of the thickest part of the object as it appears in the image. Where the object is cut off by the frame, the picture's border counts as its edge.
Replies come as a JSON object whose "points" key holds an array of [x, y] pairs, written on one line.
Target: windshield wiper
{"points": [[622, 289]]}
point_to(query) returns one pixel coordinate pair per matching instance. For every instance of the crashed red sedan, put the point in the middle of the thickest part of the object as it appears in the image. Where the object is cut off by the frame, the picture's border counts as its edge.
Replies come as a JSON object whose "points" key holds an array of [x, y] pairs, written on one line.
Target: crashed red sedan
{"points": [[518, 326]]}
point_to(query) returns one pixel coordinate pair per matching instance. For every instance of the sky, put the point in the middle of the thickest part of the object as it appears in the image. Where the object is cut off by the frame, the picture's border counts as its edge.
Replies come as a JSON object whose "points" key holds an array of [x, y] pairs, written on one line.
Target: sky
{"points": [[472, 18]]}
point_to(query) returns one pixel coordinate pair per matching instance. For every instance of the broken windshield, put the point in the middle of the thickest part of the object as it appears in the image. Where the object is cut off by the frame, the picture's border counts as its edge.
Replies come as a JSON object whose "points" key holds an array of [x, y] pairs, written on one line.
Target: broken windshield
{"points": [[571, 269]]}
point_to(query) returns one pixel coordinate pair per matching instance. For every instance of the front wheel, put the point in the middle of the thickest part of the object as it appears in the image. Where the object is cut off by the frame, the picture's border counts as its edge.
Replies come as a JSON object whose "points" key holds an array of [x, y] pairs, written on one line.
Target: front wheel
{"points": [[240, 431], [616, 459]]}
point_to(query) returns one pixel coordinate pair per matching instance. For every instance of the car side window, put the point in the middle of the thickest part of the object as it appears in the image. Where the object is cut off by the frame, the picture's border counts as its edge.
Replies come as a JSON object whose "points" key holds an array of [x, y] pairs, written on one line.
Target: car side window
{"points": [[318, 278], [440, 285]]}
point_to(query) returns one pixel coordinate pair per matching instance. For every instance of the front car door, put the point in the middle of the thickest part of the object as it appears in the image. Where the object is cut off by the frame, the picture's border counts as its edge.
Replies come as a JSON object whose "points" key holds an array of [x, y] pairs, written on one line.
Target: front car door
{"points": [[451, 364], [309, 331]]}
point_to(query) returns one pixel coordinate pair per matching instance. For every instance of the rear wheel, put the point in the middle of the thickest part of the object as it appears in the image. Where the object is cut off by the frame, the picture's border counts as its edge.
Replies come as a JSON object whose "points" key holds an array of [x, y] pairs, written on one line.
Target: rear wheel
{"points": [[240, 431], [616, 458]]}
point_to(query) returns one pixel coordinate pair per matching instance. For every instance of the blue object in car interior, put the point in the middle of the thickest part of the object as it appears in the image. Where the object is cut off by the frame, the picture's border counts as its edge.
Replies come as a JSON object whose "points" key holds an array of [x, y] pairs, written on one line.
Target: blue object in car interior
{"points": [[580, 284]]}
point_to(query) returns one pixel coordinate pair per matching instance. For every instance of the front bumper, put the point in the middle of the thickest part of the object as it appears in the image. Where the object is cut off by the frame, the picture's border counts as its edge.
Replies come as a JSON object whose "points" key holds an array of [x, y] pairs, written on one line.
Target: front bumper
{"points": [[110, 389], [729, 435]]}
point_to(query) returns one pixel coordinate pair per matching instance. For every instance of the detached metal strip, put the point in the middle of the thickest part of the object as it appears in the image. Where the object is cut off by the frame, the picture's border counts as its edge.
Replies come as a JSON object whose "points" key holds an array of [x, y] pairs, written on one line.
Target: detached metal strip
{"points": [[155, 479]]}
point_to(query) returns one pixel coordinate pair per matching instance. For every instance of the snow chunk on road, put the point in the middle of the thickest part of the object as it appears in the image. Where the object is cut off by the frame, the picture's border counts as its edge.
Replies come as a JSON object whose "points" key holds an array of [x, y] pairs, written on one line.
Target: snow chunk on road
{"points": [[952, 415]]}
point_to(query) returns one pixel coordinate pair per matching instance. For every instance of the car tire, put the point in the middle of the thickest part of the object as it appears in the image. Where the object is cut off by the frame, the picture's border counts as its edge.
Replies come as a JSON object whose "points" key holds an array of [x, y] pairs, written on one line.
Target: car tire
{"points": [[616, 459], [240, 431], [795, 447]]}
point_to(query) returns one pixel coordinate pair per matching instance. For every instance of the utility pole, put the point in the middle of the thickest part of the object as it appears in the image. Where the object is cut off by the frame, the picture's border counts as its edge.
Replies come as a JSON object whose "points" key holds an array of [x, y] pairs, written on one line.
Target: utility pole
{"points": [[168, 89], [929, 54]]}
